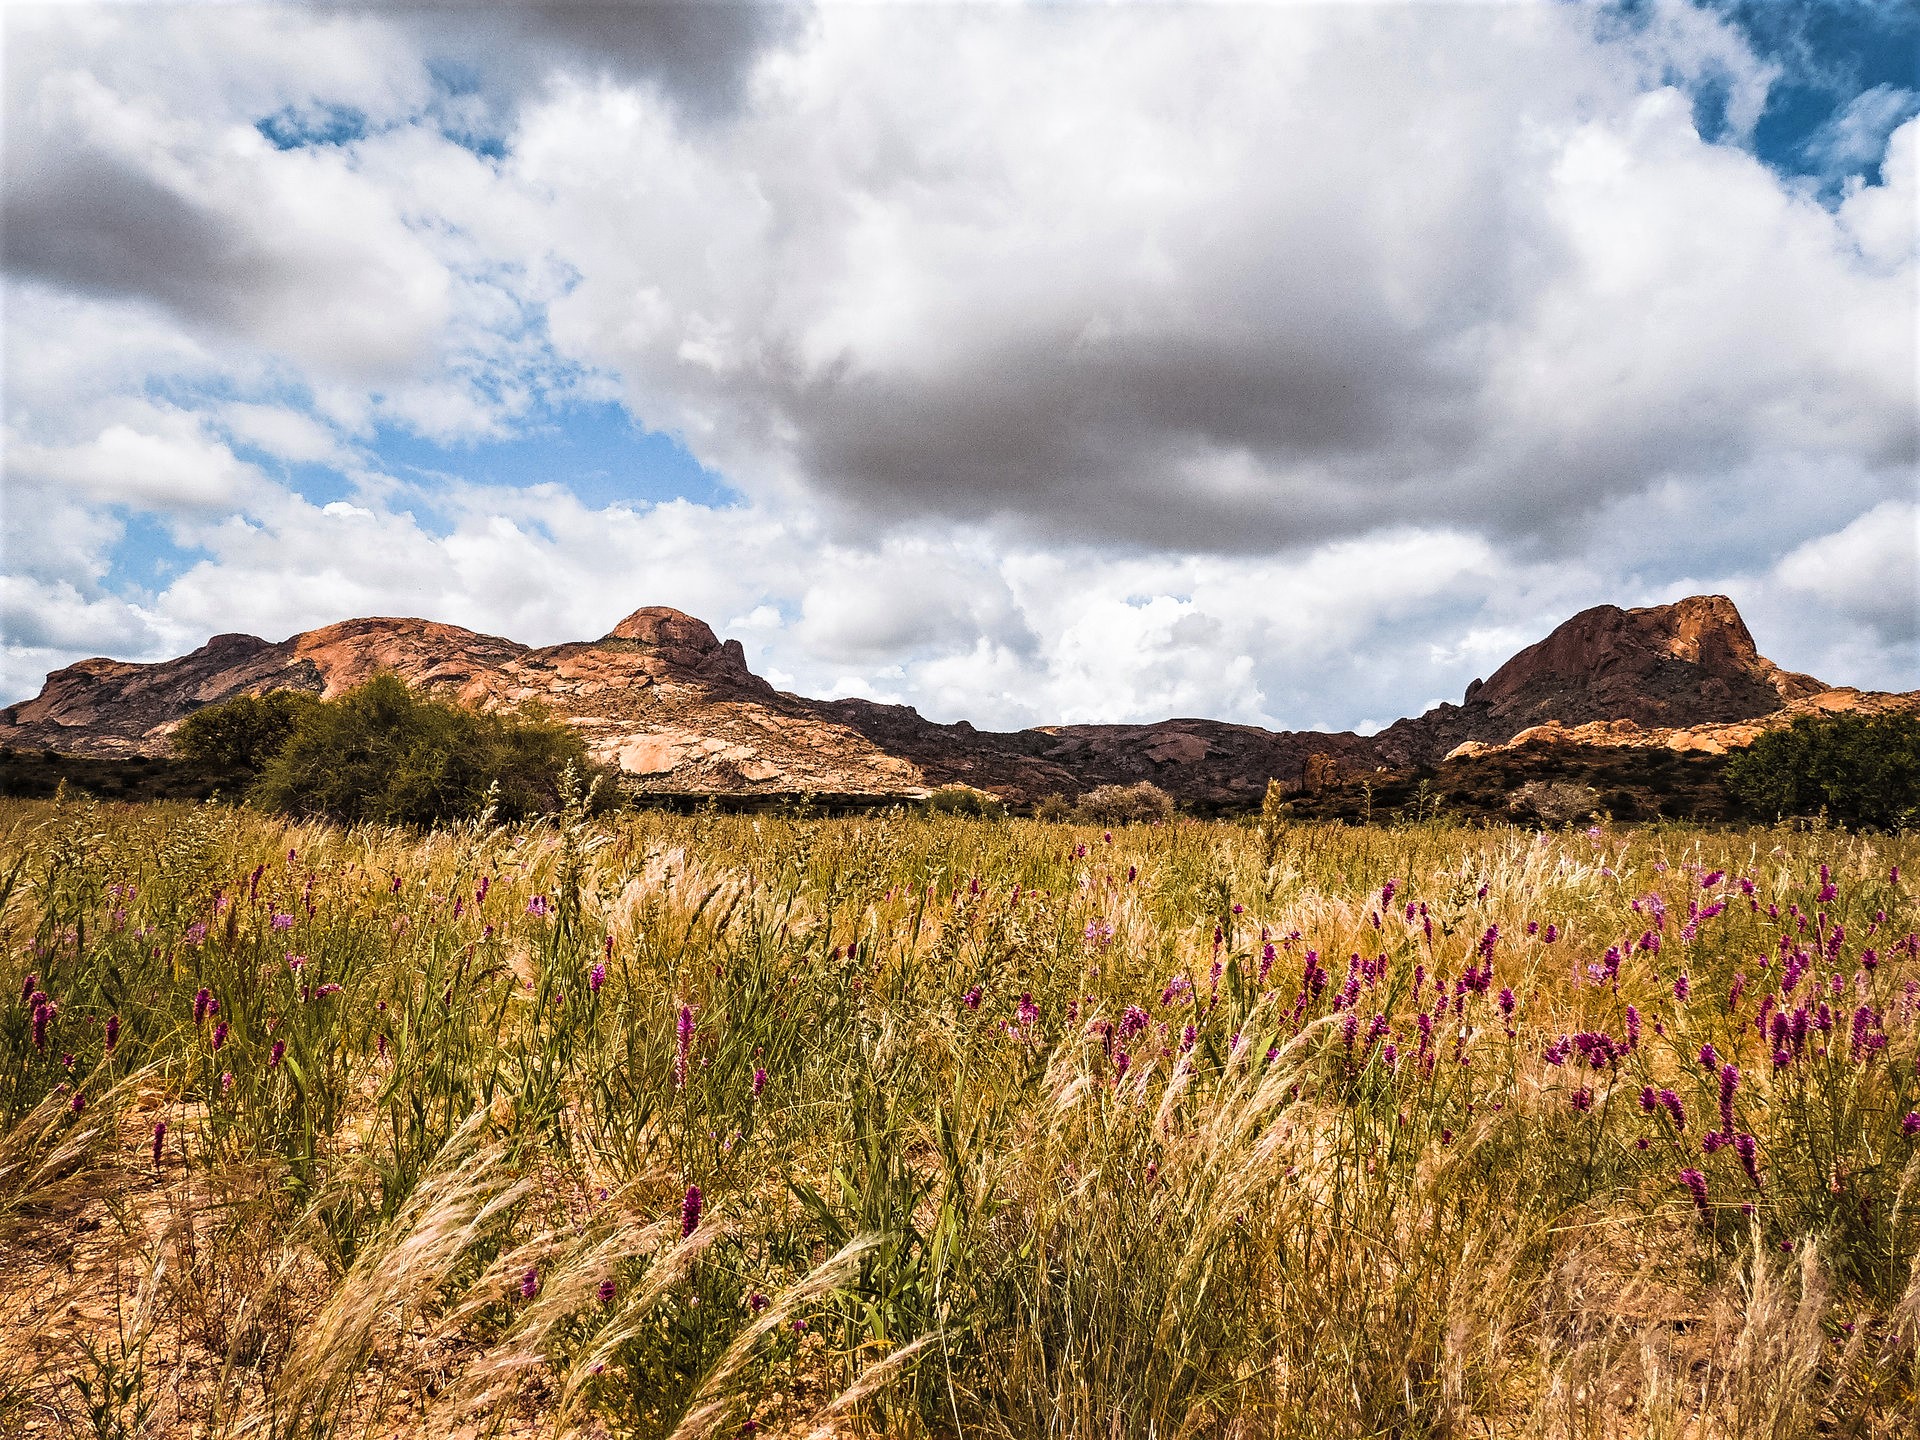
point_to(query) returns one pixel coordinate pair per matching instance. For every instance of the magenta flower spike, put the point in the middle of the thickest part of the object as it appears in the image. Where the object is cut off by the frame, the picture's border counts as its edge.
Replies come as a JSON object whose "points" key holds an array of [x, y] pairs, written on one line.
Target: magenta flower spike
{"points": [[159, 1139], [690, 1211], [1696, 1184], [683, 1036], [1675, 1110]]}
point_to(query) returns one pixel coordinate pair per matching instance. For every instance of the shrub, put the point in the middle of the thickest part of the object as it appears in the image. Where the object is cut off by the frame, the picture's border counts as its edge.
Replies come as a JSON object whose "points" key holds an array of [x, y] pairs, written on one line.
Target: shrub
{"points": [[1855, 769], [1141, 803], [1055, 809], [383, 753], [965, 800], [239, 736]]}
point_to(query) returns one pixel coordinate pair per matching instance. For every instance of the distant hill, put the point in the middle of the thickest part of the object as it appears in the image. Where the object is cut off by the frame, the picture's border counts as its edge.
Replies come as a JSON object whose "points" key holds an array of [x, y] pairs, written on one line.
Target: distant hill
{"points": [[679, 712]]}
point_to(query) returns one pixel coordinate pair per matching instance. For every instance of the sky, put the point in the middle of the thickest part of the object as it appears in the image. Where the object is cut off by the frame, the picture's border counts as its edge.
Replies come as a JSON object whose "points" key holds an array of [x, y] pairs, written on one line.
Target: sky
{"points": [[1290, 364]]}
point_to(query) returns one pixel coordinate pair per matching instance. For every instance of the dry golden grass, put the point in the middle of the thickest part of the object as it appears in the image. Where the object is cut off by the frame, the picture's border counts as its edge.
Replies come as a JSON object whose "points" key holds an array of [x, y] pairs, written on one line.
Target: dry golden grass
{"points": [[997, 1127]]}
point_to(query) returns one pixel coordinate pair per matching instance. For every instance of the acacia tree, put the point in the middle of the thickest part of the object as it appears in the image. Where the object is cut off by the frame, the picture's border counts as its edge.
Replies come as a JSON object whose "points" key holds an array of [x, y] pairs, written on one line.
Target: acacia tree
{"points": [[1855, 769]]}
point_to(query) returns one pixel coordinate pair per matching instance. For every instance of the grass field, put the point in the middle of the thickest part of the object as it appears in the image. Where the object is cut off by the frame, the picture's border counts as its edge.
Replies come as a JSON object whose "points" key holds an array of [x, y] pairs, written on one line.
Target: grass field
{"points": [[710, 1125]]}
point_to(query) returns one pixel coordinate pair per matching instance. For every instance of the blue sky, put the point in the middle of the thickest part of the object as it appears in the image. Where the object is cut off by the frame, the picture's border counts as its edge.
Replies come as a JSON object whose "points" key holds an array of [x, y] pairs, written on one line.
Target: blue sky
{"points": [[1286, 364]]}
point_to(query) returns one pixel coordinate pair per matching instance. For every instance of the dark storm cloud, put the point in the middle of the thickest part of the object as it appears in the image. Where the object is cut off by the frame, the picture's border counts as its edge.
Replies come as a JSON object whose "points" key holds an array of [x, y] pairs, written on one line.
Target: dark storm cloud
{"points": [[697, 52], [87, 221], [1168, 441], [107, 217]]}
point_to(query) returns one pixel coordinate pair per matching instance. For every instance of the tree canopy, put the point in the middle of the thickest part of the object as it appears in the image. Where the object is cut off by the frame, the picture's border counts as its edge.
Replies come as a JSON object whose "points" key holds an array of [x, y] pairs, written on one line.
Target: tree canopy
{"points": [[384, 753], [1855, 769]]}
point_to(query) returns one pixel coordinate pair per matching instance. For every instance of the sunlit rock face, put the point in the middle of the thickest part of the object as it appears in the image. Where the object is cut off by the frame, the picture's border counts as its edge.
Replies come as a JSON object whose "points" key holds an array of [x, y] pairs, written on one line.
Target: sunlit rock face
{"points": [[677, 710]]}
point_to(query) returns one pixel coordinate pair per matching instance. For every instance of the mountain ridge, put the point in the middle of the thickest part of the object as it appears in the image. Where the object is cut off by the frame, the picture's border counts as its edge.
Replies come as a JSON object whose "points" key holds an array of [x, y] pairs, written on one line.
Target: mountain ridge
{"points": [[679, 711]]}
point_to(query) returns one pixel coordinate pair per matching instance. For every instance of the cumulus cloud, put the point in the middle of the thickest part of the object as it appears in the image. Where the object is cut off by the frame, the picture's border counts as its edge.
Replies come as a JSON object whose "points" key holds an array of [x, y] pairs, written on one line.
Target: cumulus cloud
{"points": [[160, 458], [1161, 296], [1869, 571], [1857, 134], [1291, 365]]}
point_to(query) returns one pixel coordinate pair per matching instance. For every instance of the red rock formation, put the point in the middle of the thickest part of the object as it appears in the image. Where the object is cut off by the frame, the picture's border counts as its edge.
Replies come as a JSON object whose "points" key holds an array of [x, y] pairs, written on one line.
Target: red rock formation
{"points": [[1669, 666], [679, 712]]}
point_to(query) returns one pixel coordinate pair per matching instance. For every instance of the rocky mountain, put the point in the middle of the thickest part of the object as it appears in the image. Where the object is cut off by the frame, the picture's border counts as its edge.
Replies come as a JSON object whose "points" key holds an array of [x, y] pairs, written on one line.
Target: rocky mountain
{"points": [[680, 713]]}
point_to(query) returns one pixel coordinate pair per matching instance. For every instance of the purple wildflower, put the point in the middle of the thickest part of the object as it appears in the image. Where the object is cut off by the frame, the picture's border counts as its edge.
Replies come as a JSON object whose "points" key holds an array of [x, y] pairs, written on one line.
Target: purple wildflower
{"points": [[219, 1035], [27, 988], [202, 998], [530, 1283], [1583, 1099], [759, 1081], [607, 1291], [1748, 1149], [160, 1138], [690, 1211], [971, 999], [596, 977], [281, 921], [278, 1054], [1028, 1011], [1677, 1111], [113, 1033], [79, 1102], [1682, 987], [1696, 1184], [683, 1031]]}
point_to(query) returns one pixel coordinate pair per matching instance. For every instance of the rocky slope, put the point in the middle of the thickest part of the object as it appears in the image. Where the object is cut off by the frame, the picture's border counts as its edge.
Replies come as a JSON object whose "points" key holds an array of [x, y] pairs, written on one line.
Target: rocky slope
{"points": [[679, 711]]}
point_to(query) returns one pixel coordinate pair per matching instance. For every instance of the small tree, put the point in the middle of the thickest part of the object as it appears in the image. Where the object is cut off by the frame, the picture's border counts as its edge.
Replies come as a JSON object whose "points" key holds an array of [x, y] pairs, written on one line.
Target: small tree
{"points": [[384, 753], [1138, 804], [1856, 769], [965, 800], [239, 736]]}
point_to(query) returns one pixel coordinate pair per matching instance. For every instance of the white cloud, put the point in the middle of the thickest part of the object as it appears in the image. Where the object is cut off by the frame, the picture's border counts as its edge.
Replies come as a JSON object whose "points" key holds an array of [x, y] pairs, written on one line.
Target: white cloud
{"points": [[160, 459], [1857, 135], [281, 431], [1285, 364], [1869, 572]]}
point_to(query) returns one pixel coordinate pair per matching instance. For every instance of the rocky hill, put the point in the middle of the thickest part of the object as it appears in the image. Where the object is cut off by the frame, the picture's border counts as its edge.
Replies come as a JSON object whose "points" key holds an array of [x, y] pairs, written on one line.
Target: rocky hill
{"points": [[680, 713]]}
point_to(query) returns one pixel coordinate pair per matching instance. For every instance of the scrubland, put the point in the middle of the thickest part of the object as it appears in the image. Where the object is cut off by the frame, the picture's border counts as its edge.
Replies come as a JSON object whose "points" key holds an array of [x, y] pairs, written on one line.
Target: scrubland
{"points": [[642, 1125]]}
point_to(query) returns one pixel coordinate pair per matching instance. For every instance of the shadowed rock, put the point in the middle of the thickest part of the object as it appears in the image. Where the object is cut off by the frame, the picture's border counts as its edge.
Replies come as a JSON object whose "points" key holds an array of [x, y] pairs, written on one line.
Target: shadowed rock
{"points": [[680, 713]]}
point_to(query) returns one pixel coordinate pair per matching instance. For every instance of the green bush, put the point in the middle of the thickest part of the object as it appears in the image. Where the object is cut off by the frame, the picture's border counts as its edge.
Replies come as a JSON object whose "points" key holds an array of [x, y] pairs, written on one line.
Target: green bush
{"points": [[965, 800], [1140, 803], [383, 753], [239, 736], [1855, 769]]}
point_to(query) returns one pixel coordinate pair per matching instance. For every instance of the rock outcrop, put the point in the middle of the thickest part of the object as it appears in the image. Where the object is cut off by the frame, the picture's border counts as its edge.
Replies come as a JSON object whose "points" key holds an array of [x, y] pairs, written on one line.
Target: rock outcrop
{"points": [[679, 711], [1677, 666]]}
